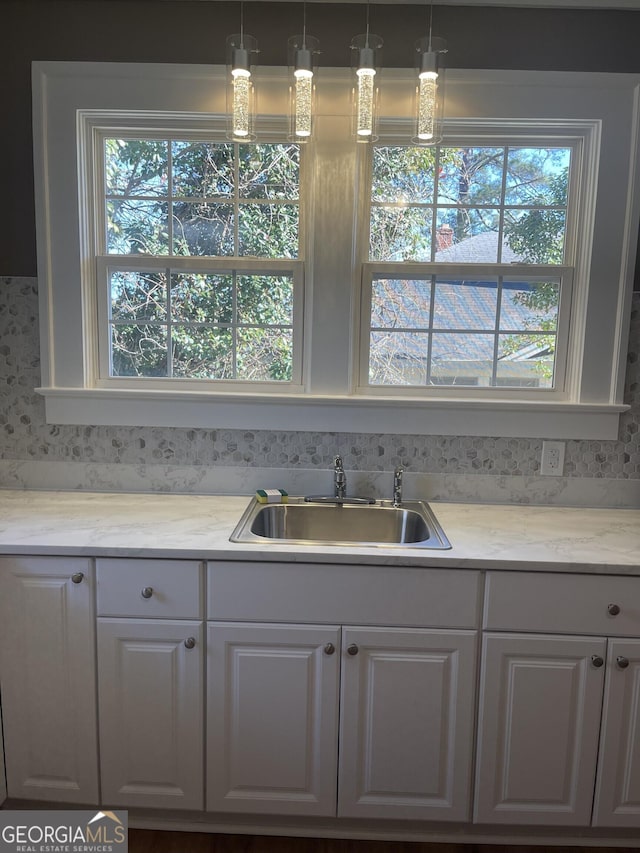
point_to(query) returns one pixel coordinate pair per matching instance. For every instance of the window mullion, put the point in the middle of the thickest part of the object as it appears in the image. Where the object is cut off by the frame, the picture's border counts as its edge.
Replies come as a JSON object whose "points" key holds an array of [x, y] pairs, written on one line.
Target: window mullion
{"points": [[432, 310], [496, 349], [503, 195], [234, 325], [169, 324]]}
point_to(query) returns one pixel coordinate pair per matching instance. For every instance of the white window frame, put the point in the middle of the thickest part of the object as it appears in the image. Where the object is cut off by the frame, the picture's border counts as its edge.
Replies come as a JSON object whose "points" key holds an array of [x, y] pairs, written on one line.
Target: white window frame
{"points": [[581, 138], [94, 127], [330, 399]]}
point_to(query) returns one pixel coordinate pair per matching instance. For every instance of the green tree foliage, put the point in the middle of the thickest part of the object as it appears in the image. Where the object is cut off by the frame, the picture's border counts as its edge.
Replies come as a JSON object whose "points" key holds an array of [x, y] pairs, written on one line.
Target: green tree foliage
{"points": [[191, 198], [538, 237]]}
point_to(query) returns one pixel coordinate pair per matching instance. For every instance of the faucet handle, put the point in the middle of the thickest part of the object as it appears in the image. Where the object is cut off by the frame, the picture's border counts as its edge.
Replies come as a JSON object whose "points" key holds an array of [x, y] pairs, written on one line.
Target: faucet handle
{"points": [[397, 486]]}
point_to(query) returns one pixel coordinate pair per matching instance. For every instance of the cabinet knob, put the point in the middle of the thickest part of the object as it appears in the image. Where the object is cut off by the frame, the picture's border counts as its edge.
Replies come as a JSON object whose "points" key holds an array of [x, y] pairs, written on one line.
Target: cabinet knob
{"points": [[190, 642], [352, 649], [613, 609], [329, 649], [78, 577], [597, 661], [622, 662], [147, 592]]}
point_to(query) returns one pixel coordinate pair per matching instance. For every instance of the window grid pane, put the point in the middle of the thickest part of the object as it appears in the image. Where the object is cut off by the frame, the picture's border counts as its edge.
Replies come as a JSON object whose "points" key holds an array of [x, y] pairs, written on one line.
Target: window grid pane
{"points": [[193, 198], [442, 331], [474, 207], [502, 204], [195, 326], [187, 197]]}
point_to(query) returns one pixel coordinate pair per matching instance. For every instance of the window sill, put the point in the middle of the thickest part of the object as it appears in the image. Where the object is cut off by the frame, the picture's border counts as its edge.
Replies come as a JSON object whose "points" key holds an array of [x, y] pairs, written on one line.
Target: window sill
{"points": [[189, 409]]}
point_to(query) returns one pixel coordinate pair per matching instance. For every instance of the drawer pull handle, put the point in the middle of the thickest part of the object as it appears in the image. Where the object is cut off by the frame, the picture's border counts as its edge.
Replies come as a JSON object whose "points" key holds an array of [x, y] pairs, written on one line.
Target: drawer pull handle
{"points": [[78, 577], [613, 609], [147, 592], [597, 661], [622, 662], [353, 649], [329, 649], [190, 642]]}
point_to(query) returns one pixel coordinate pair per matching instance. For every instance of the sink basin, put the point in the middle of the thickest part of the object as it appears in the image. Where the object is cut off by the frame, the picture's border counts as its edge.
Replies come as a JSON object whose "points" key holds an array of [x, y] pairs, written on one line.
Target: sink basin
{"points": [[300, 522]]}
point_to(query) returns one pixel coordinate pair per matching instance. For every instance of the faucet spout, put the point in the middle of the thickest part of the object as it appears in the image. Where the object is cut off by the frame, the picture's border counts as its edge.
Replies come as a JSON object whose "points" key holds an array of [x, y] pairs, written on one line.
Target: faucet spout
{"points": [[339, 478]]}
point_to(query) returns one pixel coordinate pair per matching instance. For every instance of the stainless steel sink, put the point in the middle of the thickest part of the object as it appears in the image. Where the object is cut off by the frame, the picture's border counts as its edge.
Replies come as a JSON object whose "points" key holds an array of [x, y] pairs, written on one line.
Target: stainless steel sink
{"points": [[381, 524]]}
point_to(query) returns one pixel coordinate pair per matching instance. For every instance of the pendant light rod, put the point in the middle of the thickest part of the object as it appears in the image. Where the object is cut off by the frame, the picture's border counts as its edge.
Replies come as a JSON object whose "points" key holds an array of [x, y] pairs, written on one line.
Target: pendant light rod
{"points": [[366, 44], [304, 26]]}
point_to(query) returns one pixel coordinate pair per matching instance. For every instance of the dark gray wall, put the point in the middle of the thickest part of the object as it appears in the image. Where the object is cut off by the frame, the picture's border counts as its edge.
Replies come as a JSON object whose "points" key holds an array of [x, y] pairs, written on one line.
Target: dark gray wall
{"points": [[195, 32]]}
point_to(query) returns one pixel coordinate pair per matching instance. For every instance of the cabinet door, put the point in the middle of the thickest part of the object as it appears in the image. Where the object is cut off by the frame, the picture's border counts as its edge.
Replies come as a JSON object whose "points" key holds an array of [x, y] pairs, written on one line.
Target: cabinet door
{"points": [[47, 671], [538, 726], [272, 718], [617, 800], [406, 730], [150, 677]]}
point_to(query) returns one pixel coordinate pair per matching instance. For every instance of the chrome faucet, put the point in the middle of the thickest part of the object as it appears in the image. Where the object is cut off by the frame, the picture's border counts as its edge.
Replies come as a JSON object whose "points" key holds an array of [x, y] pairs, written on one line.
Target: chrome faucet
{"points": [[397, 486], [339, 496], [339, 478]]}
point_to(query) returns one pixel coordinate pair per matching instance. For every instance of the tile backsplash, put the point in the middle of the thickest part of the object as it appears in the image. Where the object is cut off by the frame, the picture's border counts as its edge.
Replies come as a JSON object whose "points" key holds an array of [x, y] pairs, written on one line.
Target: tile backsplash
{"points": [[34, 454]]}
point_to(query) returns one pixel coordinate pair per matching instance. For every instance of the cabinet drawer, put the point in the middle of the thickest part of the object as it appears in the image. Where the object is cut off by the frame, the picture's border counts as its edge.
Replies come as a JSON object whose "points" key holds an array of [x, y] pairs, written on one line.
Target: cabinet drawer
{"points": [[572, 604], [339, 594], [158, 588]]}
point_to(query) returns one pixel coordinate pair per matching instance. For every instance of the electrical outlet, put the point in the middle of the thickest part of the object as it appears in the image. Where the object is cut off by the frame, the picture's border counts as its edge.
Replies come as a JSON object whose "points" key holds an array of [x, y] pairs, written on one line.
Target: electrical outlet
{"points": [[552, 461]]}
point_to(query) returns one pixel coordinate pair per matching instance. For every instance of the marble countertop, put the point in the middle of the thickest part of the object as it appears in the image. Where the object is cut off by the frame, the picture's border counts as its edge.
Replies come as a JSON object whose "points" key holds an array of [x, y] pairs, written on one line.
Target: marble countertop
{"points": [[485, 536]]}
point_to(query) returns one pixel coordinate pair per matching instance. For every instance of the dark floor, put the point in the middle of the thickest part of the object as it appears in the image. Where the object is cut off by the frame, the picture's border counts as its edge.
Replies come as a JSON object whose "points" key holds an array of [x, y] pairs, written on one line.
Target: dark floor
{"points": [[156, 841]]}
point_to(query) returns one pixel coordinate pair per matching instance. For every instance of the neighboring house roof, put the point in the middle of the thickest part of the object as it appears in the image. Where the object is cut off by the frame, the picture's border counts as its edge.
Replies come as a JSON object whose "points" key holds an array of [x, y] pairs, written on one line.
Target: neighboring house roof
{"points": [[481, 249], [402, 337], [462, 303]]}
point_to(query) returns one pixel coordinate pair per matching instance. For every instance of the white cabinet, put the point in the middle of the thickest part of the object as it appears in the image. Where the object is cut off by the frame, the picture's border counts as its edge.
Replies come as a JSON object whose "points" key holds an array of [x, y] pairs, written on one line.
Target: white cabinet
{"points": [[540, 701], [617, 802], [48, 678], [150, 677], [559, 716], [396, 703], [337, 692], [407, 721], [272, 718]]}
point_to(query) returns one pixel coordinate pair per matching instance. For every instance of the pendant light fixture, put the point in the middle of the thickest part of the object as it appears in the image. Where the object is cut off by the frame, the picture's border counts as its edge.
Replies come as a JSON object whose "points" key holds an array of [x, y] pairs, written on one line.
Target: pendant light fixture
{"points": [[240, 92], [302, 52], [430, 89], [365, 47]]}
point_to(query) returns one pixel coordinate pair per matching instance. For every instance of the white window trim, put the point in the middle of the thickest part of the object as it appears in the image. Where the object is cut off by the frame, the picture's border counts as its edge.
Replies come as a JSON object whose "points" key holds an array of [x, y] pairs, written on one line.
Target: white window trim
{"points": [[93, 127], [583, 138], [330, 401]]}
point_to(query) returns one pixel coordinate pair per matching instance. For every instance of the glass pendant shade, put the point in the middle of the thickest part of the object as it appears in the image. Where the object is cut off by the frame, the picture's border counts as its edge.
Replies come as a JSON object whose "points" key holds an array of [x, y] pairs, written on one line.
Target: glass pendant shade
{"points": [[429, 90], [365, 49], [302, 51], [240, 91]]}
